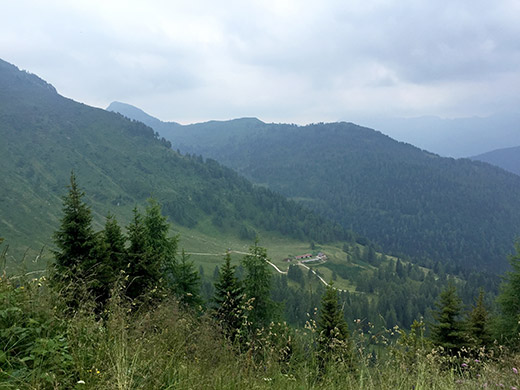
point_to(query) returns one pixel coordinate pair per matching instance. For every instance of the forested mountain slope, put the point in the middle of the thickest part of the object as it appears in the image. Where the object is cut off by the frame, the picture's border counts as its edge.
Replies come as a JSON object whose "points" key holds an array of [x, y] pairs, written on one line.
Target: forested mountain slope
{"points": [[406, 199], [507, 158], [119, 163]]}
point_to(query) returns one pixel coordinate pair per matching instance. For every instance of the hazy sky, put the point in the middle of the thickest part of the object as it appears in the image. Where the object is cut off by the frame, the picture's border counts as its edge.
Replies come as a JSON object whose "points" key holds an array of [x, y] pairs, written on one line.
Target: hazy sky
{"points": [[282, 61]]}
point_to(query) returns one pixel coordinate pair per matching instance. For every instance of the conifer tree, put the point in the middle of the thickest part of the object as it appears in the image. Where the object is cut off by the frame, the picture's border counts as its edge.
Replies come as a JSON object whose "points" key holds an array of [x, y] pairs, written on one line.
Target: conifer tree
{"points": [[333, 339], [228, 298], [151, 253], [448, 330], [478, 323], [160, 246], [509, 302], [185, 282], [74, 239], [257, 286], [114, 241], [111, 255], [137, 272]]}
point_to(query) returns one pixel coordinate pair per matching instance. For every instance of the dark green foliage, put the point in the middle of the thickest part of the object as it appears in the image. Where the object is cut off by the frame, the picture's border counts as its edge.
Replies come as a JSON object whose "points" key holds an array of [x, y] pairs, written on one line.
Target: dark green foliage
{"points": [[405, 199], [74, 239], [185, 282], [110, 256], [448, 330], [509, 302], [478, 326], [333, 336], [32, 337], [151, 253], [229, 299], [114, 243], [257, 286], [121, 163], [295, 273], [138, 281]]}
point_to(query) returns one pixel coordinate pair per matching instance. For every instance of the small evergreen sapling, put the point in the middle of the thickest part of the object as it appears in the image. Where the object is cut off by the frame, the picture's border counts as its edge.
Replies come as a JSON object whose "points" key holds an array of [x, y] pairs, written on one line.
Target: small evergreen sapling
{"points": [[478, 323], [448, 331]]}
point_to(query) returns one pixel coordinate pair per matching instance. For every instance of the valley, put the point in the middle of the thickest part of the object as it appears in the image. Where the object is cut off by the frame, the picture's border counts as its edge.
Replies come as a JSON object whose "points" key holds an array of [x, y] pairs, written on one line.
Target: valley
{"points": [[305, 220]]}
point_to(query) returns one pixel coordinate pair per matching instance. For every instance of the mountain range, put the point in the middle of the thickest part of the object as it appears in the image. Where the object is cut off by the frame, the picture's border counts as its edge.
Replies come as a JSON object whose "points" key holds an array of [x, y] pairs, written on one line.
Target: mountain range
{"points": [[120, 163], [458, 137], [408, 200]]}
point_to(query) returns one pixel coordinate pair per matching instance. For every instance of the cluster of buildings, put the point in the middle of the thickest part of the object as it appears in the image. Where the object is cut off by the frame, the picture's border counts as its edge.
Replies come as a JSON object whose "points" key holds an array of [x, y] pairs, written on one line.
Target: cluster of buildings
{"points": [[308, 258]]}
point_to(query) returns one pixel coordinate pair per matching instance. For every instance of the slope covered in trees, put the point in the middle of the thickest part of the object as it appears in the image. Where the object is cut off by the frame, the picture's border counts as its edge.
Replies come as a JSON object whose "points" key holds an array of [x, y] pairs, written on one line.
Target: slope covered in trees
{"points": [[121, 163], [405, 199], [507, 158]]}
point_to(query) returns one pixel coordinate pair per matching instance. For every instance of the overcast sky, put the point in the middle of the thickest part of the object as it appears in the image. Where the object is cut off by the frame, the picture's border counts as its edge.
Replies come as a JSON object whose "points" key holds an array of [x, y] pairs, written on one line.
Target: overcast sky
{"points": [[281, 61]]}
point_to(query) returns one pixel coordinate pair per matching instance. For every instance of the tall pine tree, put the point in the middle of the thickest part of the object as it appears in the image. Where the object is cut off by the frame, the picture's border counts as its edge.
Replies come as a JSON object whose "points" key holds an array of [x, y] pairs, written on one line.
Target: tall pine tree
{"points": [[138, 277], [228, 299], [151, 253], [111, 254], [185, 282], [75, 240], [257, 286]]}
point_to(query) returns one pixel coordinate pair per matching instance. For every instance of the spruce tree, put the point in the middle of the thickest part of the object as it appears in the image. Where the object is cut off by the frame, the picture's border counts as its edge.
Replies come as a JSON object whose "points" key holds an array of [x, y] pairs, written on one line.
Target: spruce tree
{"points": [[448, 331], [151, 253], [138, 278], [111, 255], [114, 241], [257, 286], [160, 246], [228, 299], [478, 323], [74, 240], [509, 302], [185, 282], [333, 339]]}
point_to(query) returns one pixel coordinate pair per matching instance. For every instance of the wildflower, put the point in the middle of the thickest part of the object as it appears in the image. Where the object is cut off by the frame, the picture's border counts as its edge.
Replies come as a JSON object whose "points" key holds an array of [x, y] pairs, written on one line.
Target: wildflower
{"points": [[515, 370], [80, 382], [464, 365]]}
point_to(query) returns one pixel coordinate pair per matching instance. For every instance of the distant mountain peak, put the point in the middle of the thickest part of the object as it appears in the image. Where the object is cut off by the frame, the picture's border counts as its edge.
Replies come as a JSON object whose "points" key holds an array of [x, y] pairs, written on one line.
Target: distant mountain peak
{"points": [[136, 113]]}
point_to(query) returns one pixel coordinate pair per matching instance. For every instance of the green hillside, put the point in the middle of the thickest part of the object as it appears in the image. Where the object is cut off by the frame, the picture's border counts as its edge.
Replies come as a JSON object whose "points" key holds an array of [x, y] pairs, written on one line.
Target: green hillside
{"points": [[412, 202], [120, 163]]}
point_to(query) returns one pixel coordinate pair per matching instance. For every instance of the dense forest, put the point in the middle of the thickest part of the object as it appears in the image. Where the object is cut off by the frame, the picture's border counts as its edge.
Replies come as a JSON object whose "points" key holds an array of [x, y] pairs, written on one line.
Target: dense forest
{"points": [[407, 200], [121, 163], [126, 311], [121, 303]]}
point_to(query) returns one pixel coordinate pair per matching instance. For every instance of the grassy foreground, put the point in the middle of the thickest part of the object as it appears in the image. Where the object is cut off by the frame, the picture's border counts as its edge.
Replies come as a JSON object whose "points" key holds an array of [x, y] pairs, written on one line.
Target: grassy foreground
{"points": [[165, 347]]}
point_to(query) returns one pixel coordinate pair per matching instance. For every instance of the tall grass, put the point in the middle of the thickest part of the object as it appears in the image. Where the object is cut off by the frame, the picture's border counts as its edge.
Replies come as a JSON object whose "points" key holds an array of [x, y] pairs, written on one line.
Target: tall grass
{"points": [[167, 347]]}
